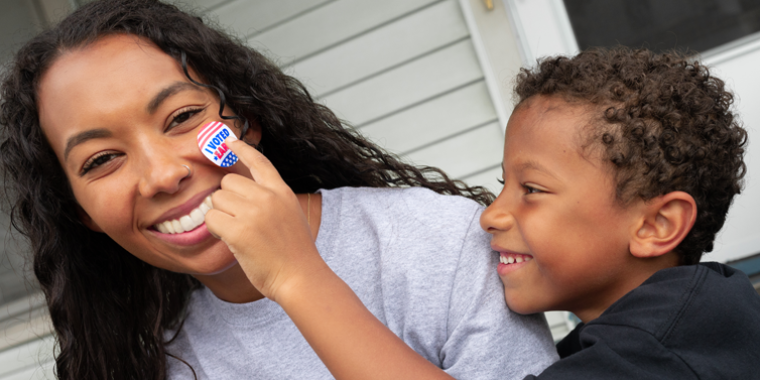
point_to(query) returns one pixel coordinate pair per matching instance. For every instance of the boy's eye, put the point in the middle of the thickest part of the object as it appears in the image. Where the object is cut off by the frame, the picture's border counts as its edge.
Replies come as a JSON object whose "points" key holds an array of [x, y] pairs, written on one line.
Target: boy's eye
{"points": [[531, 190], [182, 116], [98, 160]]}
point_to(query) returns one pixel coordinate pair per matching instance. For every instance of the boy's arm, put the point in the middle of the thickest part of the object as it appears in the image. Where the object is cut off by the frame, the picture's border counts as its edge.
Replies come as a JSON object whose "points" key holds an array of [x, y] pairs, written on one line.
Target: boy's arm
{"points": [[351, 342]]}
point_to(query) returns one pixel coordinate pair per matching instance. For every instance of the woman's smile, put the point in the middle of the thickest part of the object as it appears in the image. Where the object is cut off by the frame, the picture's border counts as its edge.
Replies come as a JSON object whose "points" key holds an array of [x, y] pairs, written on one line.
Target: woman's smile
{"points": [[184, 224], [122, 118]]}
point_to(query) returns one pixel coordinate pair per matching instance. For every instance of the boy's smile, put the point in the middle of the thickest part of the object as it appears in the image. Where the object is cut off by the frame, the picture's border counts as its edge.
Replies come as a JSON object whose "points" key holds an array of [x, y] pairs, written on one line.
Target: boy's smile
{"points": [[562, 237]]}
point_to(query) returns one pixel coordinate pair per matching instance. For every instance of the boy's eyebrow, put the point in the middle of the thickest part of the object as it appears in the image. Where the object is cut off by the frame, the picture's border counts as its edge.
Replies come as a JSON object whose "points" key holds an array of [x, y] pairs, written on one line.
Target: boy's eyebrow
{"points": [[81, 137], [167, 92], [533, 165]]}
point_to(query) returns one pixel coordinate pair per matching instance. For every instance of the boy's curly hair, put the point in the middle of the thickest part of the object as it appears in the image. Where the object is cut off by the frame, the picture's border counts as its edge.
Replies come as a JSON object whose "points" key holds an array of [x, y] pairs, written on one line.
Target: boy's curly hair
{"points": [[665, 124]]}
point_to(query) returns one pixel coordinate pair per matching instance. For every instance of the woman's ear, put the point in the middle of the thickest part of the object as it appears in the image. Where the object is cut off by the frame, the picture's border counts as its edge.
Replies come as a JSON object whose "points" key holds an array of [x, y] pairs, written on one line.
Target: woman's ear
{"points": [[87, 220], [253, 134], [665, 222]]}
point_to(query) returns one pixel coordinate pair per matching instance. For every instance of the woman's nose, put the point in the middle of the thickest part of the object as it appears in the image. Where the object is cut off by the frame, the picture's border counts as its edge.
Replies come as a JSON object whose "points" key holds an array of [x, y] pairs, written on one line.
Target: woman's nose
{"points": [[162, 174], [497, 217]]}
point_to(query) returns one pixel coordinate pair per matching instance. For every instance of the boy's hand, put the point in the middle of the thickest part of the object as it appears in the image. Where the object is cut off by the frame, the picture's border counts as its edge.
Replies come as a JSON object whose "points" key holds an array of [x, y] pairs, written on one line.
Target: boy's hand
{"points": [[262, 223]]}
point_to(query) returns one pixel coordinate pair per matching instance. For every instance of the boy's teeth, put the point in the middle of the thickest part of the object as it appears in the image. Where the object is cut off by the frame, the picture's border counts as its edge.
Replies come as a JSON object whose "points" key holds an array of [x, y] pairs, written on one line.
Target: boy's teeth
{"points": [[188, 222], [514, 258]]}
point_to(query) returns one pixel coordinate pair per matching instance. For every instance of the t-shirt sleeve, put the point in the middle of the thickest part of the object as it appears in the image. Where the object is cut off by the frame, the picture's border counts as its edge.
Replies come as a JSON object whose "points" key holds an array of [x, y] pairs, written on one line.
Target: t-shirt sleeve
{"points": [[485, 339]]}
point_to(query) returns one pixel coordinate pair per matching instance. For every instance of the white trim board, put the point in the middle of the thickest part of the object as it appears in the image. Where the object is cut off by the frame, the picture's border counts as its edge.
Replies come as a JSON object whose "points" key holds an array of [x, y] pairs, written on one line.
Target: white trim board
{"points": [[485, 64], [543, 29]]}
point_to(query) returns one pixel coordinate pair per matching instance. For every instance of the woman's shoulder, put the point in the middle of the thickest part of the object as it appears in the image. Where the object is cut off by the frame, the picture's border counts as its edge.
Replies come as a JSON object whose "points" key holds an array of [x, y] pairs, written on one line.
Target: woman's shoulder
{"points": [[413, 213], [412, 200]]}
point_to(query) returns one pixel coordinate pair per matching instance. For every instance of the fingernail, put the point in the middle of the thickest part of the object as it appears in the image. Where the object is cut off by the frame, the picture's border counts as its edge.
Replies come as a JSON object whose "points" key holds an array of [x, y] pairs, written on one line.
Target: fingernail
{"points": [[211, 142]]}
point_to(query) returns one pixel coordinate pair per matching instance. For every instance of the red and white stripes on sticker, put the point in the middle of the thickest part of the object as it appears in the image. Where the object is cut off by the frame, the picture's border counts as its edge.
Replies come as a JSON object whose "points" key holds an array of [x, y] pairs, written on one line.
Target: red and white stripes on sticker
{"points": [[207, 131]]}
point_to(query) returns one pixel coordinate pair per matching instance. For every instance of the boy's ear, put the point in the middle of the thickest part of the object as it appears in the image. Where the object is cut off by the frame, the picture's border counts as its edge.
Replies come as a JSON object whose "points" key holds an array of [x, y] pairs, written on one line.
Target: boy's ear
{"points": [[87, 220], [665, 222]]}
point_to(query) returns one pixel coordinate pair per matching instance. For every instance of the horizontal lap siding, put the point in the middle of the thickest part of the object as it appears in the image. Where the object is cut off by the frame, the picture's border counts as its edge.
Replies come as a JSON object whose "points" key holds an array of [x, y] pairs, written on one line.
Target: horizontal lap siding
{"points": [[31, 360], [440, 117], [381, 49], [246, 18], [477, 148], [330, 25], [40, 371], [409, 85], [26, 343]]}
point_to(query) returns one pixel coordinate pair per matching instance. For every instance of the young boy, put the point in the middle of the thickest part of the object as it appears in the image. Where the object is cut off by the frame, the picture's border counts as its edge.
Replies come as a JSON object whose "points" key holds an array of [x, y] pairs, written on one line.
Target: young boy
{"points": [[619, 168]]}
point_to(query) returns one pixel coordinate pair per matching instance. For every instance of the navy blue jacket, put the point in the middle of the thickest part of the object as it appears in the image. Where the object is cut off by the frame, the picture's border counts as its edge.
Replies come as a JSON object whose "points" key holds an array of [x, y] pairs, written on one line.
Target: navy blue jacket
{"points": [[687, 322]]}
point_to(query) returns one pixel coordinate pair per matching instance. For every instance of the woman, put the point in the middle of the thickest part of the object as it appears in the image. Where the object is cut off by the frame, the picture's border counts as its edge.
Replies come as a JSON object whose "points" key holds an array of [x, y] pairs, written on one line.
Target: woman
{"points": [[100, 118]]}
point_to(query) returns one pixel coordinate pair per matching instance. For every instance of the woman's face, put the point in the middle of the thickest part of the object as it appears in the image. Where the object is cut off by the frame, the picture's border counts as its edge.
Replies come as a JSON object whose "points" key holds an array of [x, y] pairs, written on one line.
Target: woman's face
{"points": [[122, 118]]}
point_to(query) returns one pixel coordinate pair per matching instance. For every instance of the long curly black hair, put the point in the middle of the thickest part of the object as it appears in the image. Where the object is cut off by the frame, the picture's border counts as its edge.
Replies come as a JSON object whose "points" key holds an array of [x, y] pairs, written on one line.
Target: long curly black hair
{"points": [[110, 310], [664, 123]]}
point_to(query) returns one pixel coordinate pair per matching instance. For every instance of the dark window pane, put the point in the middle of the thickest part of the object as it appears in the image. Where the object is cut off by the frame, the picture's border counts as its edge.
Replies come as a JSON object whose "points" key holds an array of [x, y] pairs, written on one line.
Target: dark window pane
{"points": [[696, 25]]}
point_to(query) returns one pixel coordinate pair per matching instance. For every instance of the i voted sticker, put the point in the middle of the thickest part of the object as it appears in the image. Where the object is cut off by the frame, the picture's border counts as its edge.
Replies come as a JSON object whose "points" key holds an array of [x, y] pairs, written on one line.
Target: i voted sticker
{"points": [[211, 142]]}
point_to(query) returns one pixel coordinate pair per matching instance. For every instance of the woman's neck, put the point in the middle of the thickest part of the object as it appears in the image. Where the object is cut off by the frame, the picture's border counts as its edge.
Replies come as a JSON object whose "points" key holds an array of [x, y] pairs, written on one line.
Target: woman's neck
{"points": [[232, 285]]}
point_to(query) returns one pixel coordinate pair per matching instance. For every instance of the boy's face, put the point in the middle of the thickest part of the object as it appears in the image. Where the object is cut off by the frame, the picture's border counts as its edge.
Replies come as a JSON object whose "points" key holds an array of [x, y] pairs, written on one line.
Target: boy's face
{"points": [[557, 217]]}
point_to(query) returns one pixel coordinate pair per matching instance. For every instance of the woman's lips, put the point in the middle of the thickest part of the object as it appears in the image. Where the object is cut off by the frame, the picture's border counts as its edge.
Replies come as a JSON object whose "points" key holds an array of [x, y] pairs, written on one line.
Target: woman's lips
{"points": [[184, 225], [193, 237]]}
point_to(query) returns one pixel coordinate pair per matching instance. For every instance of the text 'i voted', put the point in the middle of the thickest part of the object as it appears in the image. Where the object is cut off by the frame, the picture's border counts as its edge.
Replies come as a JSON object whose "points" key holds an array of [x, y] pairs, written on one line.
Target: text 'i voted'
{"points": [[211, 143]]}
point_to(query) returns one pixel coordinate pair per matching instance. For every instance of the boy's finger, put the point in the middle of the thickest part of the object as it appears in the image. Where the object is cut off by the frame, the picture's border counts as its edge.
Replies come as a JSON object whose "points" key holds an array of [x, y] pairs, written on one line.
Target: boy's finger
{"points": [[261, 168], [228, 202], [218, 222]]}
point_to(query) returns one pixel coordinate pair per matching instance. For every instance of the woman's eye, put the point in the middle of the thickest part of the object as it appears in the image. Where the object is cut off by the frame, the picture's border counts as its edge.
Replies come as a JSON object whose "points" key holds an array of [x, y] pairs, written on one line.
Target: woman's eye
{"points": [[182, 117], [97, 161], [501, 181]]}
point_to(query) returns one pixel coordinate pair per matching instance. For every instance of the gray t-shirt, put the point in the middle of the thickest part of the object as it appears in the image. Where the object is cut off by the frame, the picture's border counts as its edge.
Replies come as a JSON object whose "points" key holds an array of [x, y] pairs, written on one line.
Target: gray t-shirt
{"points": [[420, 263]]}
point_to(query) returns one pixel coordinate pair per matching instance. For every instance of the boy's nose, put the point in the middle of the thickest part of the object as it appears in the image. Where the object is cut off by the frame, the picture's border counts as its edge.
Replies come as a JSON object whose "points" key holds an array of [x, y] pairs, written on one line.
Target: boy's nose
{"points": [[496, 217]]}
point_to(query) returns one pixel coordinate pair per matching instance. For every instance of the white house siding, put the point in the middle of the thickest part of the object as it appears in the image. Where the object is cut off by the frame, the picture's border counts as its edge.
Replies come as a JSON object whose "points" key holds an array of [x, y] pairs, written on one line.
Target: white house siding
{"points": [[26, 343]]}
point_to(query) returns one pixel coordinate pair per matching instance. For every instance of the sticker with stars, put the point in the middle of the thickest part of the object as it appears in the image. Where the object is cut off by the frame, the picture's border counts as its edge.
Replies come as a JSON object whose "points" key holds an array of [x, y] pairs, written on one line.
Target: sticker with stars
{"points": [[211, 143]]}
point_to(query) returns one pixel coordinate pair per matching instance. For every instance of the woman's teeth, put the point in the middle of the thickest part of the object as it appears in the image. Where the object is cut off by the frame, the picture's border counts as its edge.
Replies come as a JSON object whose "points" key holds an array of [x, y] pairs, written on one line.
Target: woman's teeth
{"points": [[188, 222], [514, 258]]}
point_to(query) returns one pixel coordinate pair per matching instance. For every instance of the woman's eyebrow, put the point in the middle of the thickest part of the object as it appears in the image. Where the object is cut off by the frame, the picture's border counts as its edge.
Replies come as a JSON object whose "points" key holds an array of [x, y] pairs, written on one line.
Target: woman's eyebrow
{"points": [[82, 137], [169, 91]]}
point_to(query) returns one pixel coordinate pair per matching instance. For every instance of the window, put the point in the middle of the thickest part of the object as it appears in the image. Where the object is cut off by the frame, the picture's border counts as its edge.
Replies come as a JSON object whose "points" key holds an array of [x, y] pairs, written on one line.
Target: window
{"points": [[692, 25]]}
